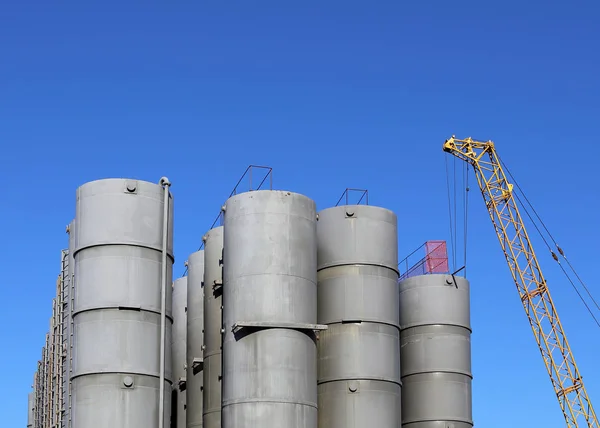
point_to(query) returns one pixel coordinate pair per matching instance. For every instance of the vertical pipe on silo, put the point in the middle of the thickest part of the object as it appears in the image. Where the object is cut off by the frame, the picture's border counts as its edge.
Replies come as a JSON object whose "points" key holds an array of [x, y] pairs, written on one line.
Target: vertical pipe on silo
{"points": [[359, 354], [436, 352], [165, 184], [117, 308], [213, 324], [195, 339], [269, 311], [179, 351]]}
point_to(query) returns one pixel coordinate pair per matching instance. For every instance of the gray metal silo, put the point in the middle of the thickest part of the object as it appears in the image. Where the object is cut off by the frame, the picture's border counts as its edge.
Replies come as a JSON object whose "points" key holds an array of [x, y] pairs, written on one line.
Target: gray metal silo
{"points": [[179, 351], [123, 260], [30, 409], [436, 352], [213, 324], [195, 339], [269, 311], [359, 354]]}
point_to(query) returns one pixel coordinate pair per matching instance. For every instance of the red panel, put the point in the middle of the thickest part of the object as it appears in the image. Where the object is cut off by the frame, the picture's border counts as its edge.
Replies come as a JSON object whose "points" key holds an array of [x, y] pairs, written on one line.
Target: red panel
{"points": [[436, 257]]}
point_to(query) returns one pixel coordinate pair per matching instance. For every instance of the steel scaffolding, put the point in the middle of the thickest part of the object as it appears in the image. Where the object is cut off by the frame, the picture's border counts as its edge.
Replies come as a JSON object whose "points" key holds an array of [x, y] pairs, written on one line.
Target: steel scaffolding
{"points": [[52, 376]]}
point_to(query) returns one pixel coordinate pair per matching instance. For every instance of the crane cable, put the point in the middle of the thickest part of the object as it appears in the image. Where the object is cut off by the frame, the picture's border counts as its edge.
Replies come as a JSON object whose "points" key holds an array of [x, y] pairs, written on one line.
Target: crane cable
{"points": [[466, 208], [455, 218], [554, 256], [453, 214], [559, 249], [449, 207]]}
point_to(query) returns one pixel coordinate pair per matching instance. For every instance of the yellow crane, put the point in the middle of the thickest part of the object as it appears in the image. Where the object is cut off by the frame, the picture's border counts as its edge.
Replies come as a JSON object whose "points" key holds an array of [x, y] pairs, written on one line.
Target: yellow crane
{"points": [[527, 274]]}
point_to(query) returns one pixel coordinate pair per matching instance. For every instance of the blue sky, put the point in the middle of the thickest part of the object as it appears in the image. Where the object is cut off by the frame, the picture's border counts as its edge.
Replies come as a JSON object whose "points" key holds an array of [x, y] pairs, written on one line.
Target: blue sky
{"points": [[332, 95]]}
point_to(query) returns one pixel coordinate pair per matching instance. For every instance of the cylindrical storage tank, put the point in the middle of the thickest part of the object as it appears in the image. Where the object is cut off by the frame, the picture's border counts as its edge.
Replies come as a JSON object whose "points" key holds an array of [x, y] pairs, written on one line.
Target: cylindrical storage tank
{"points": [[195, 339], [213, 324], [30, 407], [359, 354], [436, 352], [117, 307], [269, 311], [179, 352]]}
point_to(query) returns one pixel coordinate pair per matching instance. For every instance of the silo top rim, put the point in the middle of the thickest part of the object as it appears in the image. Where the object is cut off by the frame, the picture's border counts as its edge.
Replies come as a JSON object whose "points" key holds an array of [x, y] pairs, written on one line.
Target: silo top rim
{"points": [[196, 257], [214, 230], [120, 179], [127, 185], [441, 277], [359, 208], [272, 202], [434, 275], [179, 280], [268, 191]]}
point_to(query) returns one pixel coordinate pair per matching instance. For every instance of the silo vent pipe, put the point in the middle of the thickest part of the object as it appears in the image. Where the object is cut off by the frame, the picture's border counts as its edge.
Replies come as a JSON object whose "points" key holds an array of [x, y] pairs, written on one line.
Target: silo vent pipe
{"points": [[165, 184]]}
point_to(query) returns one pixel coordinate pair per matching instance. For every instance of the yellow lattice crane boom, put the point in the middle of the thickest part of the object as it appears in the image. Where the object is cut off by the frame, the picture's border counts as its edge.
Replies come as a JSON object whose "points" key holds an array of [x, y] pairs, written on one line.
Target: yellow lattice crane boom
{"points": [[504, 212]]}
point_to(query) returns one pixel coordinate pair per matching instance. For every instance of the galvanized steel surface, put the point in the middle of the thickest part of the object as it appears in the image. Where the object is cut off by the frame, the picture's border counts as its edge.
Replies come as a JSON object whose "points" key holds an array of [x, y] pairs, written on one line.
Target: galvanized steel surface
{"points": [[179, 349], [369, 237], [359, 351], [117, 400], [270, 257], [359, 354], [359, 403], [195, 339], [357, 292], [435, 299], [436, 352], [116, 311], [213, 324], [269, 372], [270, 380], [30, 407], [122, 211]]}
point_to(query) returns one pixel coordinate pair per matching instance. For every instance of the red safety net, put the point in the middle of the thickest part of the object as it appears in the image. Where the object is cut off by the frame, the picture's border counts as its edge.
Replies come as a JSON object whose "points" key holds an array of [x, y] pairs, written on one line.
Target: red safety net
{"points": [[436, 259]]}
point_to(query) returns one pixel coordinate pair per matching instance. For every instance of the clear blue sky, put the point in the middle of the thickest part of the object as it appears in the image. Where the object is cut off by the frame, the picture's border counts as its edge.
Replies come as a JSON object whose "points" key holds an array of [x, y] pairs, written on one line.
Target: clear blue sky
{"points": [[333, 95]]}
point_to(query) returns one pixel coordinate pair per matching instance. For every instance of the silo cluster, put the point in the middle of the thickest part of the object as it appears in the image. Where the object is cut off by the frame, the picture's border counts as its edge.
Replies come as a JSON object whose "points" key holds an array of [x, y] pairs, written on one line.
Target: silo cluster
{"points": [[286, 318]]}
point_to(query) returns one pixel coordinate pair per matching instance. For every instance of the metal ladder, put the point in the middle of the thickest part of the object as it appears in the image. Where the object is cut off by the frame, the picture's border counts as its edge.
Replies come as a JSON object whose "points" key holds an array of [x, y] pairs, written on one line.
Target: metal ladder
{"points": [[65, 334]]}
